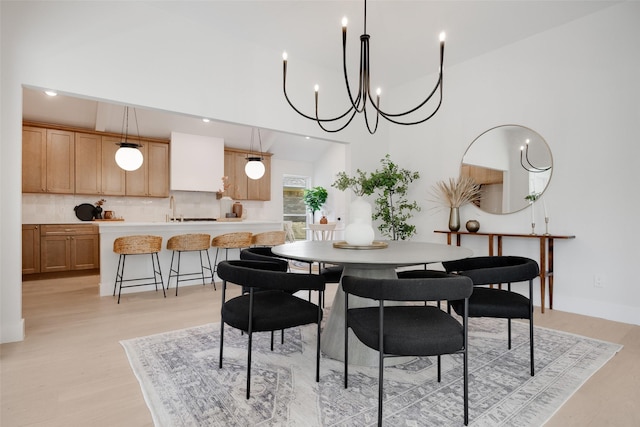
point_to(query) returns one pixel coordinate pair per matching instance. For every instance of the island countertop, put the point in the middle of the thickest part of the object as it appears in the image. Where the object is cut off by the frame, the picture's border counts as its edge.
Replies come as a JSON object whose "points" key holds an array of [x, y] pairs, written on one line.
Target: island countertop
{"points": [[140, 266]]}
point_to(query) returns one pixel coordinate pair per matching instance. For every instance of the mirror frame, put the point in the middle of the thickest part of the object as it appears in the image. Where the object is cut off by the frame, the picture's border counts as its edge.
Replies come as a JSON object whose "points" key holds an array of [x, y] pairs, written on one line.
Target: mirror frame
{"points": [[494, 176]]}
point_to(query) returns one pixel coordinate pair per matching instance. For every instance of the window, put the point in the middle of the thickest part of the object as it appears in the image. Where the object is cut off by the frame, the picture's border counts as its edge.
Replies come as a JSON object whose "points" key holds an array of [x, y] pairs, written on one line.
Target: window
{"points": [[293, 208]]}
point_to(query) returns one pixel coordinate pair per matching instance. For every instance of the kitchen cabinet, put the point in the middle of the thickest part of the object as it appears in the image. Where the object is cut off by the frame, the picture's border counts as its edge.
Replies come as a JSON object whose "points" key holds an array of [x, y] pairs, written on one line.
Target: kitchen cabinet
{"points": [[482, 175], [242, 187], [48, 160], [30, 248], [69, 247], [96, 168], [152, 179]]}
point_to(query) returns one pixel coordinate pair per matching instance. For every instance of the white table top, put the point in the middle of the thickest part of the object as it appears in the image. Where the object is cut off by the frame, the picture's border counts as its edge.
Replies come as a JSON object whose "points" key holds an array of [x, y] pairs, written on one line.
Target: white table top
{"points": [[398, 253]]}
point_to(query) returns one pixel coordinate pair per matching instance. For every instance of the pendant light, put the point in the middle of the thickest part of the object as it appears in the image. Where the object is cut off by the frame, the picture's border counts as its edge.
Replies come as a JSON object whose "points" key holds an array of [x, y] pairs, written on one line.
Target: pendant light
{"points": [[254, 167], [128, 156]]}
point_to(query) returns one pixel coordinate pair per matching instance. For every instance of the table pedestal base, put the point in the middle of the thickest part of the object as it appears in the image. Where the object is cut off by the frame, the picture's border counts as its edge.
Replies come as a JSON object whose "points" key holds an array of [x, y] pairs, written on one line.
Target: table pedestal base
{"points": [[332, 343]]}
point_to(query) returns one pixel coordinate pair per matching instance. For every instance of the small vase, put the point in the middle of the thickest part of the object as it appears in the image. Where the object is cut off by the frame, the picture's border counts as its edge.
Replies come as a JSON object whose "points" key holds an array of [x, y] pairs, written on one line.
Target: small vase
{"points": [[359, 232], [454, 219], [473, 226], [225, 206], [324, 220], [237, 209]]}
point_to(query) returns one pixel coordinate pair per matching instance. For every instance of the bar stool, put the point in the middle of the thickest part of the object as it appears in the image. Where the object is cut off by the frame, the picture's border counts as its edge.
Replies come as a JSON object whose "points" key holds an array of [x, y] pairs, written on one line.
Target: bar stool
{"points": [[238, 240], [137, 245], [269, 238], [189, 243]]}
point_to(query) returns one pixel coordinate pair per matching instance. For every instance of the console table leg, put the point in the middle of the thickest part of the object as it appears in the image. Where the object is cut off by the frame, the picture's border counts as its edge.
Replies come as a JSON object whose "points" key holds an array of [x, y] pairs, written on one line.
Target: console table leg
{"points": [[543, 270], [550, 269]]}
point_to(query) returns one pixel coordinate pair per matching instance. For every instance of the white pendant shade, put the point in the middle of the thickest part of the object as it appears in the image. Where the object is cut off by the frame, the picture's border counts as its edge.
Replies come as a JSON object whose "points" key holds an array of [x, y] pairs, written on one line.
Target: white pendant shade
{"points": [[129, 158], [254, 169]]}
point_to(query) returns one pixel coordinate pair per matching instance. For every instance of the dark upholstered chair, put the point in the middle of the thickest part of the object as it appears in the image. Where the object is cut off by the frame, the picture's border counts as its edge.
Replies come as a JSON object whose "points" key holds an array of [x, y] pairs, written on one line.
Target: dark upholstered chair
{"points": [[495, 302], [408, 330], [269, 304]]}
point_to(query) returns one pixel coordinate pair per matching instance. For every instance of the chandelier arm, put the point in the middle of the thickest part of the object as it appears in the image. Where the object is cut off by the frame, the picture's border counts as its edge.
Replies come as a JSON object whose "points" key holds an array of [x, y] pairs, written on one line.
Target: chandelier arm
{"points": [[385, 116], [353, 114], [284, 89], [366, 120], [355, 103]]}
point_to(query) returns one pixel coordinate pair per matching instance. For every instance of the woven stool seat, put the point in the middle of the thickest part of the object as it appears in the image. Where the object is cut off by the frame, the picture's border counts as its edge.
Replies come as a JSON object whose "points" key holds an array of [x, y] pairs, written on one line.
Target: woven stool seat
{"points": [[269, 238], [238, 240], [189, 243], [137, 245]]}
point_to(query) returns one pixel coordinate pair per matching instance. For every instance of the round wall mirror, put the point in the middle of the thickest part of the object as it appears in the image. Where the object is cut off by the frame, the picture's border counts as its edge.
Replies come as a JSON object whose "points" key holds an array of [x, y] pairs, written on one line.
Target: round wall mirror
{"points": [[510, 163]]}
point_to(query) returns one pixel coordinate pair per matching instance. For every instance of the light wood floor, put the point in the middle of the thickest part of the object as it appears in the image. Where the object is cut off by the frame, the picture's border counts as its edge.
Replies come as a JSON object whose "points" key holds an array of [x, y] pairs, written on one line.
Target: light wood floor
{"points": [[71, 370]]}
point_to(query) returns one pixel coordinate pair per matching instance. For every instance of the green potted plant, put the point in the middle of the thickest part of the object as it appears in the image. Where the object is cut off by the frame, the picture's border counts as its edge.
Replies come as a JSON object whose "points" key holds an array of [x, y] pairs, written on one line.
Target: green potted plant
{"points": [[314, 198], [393, 209]]}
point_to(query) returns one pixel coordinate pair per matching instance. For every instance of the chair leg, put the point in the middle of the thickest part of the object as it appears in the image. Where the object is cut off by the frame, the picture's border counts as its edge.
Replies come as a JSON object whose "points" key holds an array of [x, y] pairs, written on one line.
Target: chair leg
{"points": [[221, 342], [211, 270], [346, 339], [509, 333], [177, 273], [121, 275], [249, 365], [158, 272], [380, 363]]}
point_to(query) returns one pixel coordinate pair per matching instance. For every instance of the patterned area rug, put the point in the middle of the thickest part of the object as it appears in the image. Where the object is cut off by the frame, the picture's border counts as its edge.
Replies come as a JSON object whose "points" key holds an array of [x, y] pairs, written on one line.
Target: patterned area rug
{"points": [[182, 385]]}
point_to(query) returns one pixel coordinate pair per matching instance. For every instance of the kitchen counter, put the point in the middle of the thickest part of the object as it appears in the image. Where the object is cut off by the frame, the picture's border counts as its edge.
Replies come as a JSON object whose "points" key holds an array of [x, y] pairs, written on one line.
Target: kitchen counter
{"points": [[140, 266]]}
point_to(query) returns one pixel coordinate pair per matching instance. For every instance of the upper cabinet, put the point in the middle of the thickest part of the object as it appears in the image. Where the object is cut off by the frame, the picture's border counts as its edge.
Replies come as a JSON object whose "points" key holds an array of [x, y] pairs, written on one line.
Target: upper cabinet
{"points": [[152, 179], [241, 187], [197, 162], [96, 168], [65, 161], [48, 161]]}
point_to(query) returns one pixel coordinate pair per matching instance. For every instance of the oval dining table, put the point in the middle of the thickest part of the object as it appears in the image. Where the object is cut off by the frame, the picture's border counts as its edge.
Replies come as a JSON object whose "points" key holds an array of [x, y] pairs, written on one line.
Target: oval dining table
{"points": [[370, 263]]}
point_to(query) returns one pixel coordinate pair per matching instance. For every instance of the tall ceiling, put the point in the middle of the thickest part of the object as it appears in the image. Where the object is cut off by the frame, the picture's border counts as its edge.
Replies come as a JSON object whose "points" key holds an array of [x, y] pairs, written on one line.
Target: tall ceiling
{"points": [[404, 40]]}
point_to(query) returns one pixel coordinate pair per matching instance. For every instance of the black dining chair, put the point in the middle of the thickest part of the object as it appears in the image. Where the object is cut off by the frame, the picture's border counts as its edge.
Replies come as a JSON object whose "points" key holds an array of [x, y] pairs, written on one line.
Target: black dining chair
{"points": [[408, 330], [269, 304], [489, 300]]}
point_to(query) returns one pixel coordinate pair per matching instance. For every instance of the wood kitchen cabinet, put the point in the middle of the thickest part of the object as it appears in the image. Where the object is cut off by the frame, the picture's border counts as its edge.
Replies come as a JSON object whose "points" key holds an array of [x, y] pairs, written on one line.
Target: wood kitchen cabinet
{"points": [[96, 168], [242, 187], [69, 247], [30, 248], [48, 160], [482, 175], [152, 179]]}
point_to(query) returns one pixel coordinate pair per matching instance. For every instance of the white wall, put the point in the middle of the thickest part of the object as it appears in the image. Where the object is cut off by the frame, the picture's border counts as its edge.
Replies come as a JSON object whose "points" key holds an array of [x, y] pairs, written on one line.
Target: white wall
{"points": [[578, 87]]}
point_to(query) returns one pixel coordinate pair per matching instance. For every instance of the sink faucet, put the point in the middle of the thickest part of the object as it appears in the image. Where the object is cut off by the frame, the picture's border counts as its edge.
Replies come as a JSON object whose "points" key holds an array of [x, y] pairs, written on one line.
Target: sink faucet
{"points": [[172, 206]]}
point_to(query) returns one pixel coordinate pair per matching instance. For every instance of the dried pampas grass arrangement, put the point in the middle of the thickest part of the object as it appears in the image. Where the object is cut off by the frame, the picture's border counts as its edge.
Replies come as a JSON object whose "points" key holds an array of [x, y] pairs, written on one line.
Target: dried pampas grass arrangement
{"points": [[456, 193]]}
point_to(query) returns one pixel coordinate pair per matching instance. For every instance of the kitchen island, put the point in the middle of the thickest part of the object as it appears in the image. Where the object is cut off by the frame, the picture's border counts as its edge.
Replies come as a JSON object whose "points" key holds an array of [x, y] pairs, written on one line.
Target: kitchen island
{"points": [[140, 265]]}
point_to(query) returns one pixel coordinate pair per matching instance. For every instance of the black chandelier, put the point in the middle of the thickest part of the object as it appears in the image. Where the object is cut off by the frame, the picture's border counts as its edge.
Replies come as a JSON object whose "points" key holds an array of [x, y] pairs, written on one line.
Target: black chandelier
{"points": [[524, 157], [359, 103]]}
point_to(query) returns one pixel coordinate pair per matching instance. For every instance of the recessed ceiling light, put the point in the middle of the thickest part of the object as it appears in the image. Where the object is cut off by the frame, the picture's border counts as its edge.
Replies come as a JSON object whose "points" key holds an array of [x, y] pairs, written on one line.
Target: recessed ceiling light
{"points": [[307, 137], [206, 120], [51, 92]]}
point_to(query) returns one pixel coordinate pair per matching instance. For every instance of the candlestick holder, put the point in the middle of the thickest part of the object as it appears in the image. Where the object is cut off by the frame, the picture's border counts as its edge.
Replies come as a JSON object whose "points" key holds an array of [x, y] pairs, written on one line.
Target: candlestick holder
{"points": [[533, 228], [546, 225]]}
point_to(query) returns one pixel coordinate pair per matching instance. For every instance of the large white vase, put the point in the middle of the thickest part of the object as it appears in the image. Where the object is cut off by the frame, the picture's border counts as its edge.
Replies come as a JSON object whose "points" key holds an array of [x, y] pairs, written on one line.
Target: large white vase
{"points": [[359, 231]]}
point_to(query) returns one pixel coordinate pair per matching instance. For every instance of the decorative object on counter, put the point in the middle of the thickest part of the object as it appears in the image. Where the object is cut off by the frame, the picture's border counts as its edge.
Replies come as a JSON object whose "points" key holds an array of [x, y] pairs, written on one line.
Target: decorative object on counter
{"points": [[324, 220], [128, 156], [225, 186], [85, 211], [97, 211], [456, 193], [254, 167], [472, 226], [237, 209], [532, 200], [358, 102], [314, 198], [109, 215], [226, 204]]}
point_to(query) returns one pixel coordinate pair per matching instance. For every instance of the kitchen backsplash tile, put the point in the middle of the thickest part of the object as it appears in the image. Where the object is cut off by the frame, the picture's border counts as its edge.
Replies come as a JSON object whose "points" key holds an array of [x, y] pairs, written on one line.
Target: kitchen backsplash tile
{"points": [[55, 209]]}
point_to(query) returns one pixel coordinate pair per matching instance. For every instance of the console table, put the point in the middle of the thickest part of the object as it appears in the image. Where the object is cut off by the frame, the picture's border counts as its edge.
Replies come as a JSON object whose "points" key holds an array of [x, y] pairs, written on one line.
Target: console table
{"points": [[546, 254]]}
